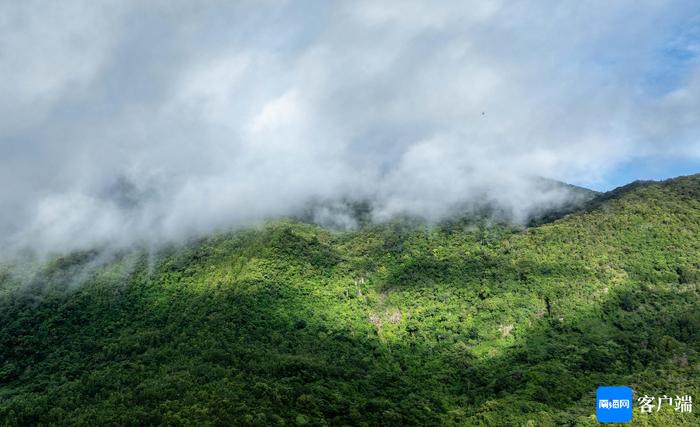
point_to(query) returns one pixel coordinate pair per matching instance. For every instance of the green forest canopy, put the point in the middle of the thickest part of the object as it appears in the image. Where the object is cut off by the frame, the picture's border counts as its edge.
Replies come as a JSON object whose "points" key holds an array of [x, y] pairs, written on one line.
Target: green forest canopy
{"points": [[462, 323]]}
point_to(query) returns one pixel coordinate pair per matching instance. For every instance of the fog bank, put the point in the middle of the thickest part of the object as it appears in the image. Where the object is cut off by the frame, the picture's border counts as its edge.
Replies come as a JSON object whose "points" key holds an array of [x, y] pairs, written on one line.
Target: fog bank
{"points": [[128, 122]]}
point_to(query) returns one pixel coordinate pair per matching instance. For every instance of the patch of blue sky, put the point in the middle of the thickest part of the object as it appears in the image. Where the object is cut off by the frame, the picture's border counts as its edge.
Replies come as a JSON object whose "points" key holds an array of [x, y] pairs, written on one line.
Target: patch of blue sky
{"points": [[675, 58], [647, 168]]}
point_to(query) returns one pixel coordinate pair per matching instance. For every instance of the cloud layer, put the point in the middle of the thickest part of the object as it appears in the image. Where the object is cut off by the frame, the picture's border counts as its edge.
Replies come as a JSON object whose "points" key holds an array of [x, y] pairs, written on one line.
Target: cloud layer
{"points": [[126, 121]]}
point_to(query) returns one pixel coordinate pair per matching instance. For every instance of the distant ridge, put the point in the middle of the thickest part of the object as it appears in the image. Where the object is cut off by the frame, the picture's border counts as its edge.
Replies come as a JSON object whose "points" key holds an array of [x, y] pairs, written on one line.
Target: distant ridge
{"points": [[687, 184]]}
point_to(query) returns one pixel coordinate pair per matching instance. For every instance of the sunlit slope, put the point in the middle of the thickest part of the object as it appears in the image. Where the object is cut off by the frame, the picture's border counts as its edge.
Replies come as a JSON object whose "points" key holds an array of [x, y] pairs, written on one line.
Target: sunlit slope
{"points": [[290, 324]]}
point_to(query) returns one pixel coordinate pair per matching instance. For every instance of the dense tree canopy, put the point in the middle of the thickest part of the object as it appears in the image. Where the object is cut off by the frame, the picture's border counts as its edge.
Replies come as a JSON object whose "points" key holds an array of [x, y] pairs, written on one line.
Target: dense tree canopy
{"points": [[467, 322]]}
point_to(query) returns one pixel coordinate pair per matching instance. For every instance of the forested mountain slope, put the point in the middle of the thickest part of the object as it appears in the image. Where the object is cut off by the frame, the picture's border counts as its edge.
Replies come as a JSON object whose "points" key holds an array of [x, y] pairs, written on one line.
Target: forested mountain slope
{"points": [[401, 323]]}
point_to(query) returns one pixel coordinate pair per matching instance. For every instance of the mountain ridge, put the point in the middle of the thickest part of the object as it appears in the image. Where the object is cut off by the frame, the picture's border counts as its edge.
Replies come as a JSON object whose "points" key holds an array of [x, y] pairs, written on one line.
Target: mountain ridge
{"points": [[393, 323]]}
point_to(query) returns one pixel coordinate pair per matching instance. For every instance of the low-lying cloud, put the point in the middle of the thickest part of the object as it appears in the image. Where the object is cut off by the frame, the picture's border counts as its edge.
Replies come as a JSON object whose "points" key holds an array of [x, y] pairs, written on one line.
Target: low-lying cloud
{"points": [[126, 121]]}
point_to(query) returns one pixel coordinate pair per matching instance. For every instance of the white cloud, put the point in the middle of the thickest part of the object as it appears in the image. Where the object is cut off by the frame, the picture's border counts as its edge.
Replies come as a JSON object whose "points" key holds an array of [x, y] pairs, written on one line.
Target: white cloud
{"points": [[211, 88], [47, 50], [223, 113], [280, 112]]}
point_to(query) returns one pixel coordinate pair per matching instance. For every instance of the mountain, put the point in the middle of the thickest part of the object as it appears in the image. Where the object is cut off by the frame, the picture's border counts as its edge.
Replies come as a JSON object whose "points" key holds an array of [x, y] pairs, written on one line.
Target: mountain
{"points": [[347, 213], [399, 323], [576, 199]]}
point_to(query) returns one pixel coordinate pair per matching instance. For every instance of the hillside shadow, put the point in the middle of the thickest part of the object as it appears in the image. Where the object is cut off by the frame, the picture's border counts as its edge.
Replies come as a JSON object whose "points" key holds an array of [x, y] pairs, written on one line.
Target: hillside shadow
{"points": [[274, 348], [642, 336]]}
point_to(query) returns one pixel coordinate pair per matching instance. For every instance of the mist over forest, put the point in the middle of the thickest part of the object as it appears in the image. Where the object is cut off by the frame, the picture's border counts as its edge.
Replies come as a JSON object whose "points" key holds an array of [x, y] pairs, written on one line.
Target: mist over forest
{"points": [[133, 122], [349, 213]]}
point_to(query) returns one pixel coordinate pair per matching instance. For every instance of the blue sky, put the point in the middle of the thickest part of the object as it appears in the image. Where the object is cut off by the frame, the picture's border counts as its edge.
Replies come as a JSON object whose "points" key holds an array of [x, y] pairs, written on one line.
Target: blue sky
{"points": [[647, 168], [673, 63]]}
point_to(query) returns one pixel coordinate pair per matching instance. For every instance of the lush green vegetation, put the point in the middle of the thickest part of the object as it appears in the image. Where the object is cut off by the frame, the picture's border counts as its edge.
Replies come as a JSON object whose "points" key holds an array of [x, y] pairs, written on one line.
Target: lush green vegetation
{"points": [[464, 323]]}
